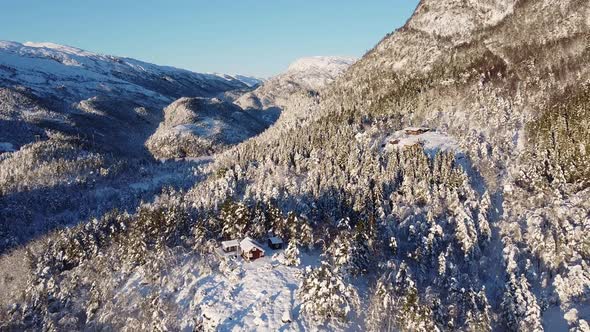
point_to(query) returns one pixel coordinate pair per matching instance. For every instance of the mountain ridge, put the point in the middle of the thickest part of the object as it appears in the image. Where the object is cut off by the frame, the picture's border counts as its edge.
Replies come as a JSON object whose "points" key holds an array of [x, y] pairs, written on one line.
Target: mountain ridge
{"points": [[101, 74], [308, 75]]}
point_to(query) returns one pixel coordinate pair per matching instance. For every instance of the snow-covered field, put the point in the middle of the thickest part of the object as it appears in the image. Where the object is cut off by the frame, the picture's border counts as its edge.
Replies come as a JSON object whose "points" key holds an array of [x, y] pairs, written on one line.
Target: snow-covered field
{"points": [[235, 296], [432, 141]]}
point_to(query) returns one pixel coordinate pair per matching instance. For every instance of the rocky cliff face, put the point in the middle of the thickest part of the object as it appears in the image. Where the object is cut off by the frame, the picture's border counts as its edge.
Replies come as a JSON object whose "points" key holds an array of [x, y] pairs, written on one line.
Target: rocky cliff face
{"points": [[459, 19]]}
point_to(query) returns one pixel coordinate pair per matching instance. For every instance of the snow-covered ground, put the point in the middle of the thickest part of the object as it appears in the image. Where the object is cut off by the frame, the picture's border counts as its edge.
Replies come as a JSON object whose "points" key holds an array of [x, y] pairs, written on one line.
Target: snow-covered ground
{"points": [[244, 296], [257, 296], [431, 140]]}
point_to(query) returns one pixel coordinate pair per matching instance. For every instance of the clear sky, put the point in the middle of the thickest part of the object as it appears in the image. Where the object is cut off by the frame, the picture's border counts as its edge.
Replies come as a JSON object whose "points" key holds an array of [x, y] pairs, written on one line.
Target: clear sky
{"points": [[253, 37]]}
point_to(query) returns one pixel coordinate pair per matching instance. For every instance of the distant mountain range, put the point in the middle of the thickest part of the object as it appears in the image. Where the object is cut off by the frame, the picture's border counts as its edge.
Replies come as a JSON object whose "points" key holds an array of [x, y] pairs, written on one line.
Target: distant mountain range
{"points": [[72, 74], [115, 102]]}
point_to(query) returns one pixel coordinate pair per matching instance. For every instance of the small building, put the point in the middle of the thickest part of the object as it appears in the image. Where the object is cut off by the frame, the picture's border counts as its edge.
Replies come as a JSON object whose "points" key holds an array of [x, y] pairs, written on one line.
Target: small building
{"points": [[394, 141], [416, 131], [275, 242], [250, 249], [230, 246]]}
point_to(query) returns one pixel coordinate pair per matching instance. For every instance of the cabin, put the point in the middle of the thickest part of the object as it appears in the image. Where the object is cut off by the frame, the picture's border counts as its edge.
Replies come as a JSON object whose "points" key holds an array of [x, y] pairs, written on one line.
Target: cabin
{"points": [[416, 131], [394, 141], [250, 249], [275, 242], [230, 246]]}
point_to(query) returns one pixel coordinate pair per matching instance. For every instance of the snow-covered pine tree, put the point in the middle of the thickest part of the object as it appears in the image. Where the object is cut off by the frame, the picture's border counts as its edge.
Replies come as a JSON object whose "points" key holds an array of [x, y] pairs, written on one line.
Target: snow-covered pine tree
{"points": [[521, 310], [340, 251], [259, 223], [480, 319], [483, 218], [275, 218], [361, 247], [325, 295], [291, 254], [234, 218], [396, 305], [306, 237], [465, 232], [292, 226], [393, 245]]}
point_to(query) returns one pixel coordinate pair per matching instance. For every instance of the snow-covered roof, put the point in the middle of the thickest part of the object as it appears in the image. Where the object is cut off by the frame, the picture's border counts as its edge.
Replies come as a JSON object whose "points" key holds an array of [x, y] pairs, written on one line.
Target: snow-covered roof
{"points": [[248, 244], [230, 243], [275, 240], [432, 140]]}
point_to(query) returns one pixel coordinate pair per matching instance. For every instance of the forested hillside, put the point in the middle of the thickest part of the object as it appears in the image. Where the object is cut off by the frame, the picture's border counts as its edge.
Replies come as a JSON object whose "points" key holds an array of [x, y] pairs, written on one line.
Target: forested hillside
{"points": [[442, 183]]}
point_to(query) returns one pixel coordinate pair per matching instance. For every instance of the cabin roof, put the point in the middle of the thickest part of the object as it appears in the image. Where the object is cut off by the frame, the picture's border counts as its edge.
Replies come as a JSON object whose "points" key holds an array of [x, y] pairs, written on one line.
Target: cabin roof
{"points": [[248, 244], [275, 240], [230, 243]]}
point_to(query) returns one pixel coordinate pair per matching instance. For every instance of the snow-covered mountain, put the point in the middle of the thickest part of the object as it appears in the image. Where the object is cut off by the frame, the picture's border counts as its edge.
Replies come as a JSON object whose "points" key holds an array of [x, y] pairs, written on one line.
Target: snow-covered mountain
{"points": [[60, 104], [194, 127], [114, 102], [250, 81], [459, 18], [72, 75], [441, 183], [306, 74]]}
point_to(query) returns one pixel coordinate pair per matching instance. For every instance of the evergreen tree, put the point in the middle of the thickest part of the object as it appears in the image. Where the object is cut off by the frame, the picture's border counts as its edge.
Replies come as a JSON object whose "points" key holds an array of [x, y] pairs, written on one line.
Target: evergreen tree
{"points": [[324, 294], [259, 222], [483, 216], [234, 219], [396, 305], [292, 254], [520, 308]]}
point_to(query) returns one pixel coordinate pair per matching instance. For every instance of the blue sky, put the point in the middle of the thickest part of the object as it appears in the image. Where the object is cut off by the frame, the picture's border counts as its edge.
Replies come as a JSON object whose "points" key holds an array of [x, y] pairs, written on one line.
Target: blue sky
{"points": [[254, 37]]}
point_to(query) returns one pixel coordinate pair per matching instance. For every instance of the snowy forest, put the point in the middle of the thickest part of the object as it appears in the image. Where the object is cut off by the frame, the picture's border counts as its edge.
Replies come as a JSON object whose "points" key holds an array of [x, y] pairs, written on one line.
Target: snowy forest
{"points": [[439, 183]]}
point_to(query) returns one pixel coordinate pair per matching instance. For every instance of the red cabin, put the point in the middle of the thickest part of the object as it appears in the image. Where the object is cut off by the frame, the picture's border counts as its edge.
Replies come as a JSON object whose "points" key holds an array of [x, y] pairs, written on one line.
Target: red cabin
{"points": [[250, 249]]}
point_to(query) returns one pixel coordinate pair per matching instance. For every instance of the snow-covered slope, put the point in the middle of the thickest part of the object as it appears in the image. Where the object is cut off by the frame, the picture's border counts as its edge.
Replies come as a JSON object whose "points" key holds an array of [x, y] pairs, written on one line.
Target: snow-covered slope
{"points": [[114, 102], [250, 81], [306, 74], [315, 72], [72, 74], [193, 127], [459, 18], [248, 296]]}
